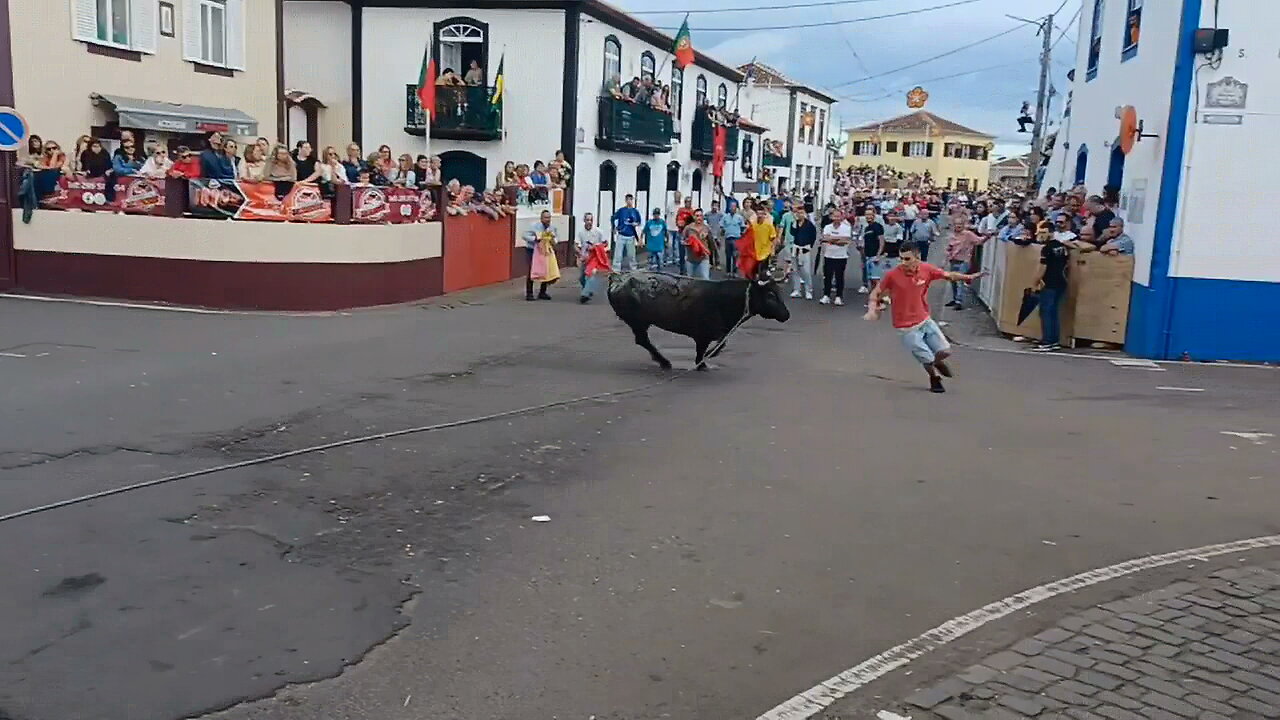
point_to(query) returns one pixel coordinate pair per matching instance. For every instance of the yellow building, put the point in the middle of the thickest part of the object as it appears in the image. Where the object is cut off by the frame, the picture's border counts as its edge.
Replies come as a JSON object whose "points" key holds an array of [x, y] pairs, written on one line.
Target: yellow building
{"points": [[954, 156]]}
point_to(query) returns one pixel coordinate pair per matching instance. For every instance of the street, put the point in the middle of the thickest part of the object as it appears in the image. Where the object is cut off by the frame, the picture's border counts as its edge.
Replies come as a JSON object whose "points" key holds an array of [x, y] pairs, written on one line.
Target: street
{"points": [[716, 544]]}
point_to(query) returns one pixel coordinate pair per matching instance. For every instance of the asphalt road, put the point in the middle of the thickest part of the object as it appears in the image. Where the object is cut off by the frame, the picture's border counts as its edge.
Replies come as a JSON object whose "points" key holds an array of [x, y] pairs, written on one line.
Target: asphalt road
{"points": [[717, 543]]}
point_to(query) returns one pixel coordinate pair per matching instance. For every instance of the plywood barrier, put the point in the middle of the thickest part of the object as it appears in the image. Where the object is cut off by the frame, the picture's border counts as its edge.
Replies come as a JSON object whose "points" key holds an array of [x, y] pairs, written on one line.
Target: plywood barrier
{"points": [[477, 251], [1096, 306]]}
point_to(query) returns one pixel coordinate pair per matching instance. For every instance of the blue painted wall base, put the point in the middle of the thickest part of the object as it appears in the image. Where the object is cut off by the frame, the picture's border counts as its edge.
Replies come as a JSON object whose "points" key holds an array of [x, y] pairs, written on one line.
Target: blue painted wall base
{"points": [[1209, 320]]}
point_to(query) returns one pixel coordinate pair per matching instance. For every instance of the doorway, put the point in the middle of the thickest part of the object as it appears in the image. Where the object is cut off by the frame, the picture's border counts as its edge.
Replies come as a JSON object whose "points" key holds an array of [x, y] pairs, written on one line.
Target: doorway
{"points": [[607, 200], [1082, 164], [465, 167], [643, 181], [1115, 172]]}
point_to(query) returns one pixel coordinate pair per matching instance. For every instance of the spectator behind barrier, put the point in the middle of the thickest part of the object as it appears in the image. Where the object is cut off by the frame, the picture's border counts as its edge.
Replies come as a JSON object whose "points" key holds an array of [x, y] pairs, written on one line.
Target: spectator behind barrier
{"points": [[95, 161], [403, 175], [209, 157], [281, 170], [33, 154], [82, 146], [187, 165], [253, 166], [126, 160], [354, 163], [158, 163], [305, 161]]}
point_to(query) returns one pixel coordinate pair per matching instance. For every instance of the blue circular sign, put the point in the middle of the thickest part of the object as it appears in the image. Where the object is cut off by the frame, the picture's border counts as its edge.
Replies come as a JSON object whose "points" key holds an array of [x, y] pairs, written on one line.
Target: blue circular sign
{"points": [[13, 129]]}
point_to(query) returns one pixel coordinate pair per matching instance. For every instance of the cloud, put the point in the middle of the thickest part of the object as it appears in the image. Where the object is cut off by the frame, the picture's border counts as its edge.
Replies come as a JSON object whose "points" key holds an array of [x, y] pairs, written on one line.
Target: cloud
{"points": [[741, 49]]}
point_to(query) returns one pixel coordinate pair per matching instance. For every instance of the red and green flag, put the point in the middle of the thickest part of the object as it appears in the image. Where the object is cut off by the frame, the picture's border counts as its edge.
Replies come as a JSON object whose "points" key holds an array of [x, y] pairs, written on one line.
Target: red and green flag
{"points": [[427, 84], [683, 48]]}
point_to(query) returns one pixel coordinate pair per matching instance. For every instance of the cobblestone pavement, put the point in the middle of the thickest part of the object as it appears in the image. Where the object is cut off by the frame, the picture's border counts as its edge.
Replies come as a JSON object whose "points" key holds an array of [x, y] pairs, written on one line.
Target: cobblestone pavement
{"points": [[1208, 650]]}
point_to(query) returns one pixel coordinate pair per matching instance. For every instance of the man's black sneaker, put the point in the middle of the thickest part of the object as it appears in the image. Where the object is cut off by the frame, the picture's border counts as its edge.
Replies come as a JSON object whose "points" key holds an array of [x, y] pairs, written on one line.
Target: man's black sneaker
{"points": [[952, 304], [544, 296], [1050, 347], [943, 368], [935, 385], [529, 298], [584, 299]]}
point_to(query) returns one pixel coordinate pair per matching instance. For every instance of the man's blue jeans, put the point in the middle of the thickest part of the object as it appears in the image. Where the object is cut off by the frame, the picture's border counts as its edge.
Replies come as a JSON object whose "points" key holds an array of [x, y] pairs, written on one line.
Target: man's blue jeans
{"points": [[1050, 315], [730, 255], [655, 260], [958, 288], [624, 250]]}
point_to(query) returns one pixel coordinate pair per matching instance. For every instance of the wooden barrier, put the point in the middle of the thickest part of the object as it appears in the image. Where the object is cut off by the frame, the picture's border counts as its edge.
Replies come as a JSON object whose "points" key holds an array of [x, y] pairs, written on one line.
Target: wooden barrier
{"points": [[1096, 306], [477, 251]]}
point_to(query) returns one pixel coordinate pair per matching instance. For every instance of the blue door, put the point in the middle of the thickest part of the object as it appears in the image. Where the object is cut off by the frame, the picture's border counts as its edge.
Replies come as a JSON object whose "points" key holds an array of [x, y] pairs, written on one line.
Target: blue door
{"points": [[1115, 173], [1082, 164]]}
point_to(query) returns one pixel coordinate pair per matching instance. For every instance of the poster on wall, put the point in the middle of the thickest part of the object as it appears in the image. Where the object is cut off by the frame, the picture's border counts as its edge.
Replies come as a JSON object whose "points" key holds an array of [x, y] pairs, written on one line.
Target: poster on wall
{"points": [[133, 195], [249, 200], [1137, 202]]}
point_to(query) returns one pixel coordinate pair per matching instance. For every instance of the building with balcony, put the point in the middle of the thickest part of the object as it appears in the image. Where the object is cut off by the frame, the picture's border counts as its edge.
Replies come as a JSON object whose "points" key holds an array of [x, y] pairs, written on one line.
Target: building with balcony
{"points": [[801, 118], [955, 156], [1194, 182], [560, 59], [169, 71]]}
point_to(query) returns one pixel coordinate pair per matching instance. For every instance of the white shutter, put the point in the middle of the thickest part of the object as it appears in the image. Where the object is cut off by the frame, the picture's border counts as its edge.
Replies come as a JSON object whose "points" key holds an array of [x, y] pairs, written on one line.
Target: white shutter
{"points": [[142, 25], [191, 46], [84, 20], [234, 33]]}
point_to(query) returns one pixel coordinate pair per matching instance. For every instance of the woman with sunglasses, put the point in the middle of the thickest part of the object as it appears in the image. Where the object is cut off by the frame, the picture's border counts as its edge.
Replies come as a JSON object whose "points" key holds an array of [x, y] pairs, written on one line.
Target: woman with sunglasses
{"points": [[158, 164], [187, 164], [126, 160]]}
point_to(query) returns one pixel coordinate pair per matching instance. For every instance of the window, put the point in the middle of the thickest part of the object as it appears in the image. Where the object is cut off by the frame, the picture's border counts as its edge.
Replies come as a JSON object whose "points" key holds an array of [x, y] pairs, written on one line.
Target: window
{"points": [[213, 32], [891, 146], [914, 149], [1132, 26], [612, 63], [646, 65], [700, 98], [822, 125], [722, 96], [458, 42], [804, 115], [867, 147], [123, 24], [677, 90], [1095, 41]]}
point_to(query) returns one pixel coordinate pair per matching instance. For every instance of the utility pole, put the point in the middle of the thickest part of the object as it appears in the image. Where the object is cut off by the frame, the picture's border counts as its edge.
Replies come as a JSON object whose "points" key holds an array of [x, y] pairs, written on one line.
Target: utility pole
{"points": [[1042, 104]]}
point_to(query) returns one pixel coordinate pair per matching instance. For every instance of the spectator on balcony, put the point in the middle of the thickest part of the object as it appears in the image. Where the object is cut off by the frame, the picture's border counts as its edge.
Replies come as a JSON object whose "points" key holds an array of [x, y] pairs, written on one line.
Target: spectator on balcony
{"points": [[541, 182], [33, 154], [264, 148], [218, 165], [524, 185], [332, 173], [126, 161], [209, 157], [354, 163], [449, 96], [614, 87], [281, 170], [53, 158], [158, 164], [507, 176], [631, 89], [557, 181], [383, 163], [231, 155], [187, 165], [475, 75], [403, 174], [95, 161], [304, 159], [82, 146], [566, 170], [253, 166]]}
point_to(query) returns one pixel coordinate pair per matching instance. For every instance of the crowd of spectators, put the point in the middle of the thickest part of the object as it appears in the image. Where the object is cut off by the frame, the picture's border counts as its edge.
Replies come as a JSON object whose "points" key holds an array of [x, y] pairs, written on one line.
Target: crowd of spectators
{"points": [[864, 178]]}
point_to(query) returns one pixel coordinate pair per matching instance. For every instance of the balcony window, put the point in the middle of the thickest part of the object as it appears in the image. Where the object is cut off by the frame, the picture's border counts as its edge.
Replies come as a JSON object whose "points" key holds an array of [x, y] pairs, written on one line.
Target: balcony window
{"points": [[612, 63], [700, 98], [120, 24], [677, 92], [774, 154], [1095, 41], [630, 127], [722, 96], [1132, 28], [646, 65], [462, 113]]}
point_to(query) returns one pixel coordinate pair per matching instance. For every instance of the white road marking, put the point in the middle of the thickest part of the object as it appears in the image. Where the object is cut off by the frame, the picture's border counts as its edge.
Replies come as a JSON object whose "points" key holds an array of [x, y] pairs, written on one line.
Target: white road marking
{"points": [[1137, 364], [1178, 389], [1257, 438], [12, 355], [818, 698]]}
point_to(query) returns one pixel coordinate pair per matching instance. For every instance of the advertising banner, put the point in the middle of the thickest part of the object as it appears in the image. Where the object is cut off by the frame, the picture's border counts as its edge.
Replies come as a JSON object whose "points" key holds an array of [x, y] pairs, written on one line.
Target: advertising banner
{"points": [[394, 205], [258, 200], [133, 195]]}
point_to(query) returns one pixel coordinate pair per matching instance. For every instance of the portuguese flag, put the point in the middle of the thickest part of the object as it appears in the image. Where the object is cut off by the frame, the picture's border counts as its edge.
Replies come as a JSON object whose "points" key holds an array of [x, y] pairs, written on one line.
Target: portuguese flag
{"points": [[427, 84], [683, 48], [748, 263]]}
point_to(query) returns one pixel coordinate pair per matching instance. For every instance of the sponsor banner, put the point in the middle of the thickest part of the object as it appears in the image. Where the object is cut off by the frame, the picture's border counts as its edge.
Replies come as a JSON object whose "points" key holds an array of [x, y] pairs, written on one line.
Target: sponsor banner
{"points": [[133, 195], [256, 200], [394, 205]]}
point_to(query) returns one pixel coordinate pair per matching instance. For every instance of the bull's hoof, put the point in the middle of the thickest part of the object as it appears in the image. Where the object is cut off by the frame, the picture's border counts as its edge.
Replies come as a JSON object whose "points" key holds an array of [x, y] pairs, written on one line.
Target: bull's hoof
{"points": [[703, 367], [665, 365]]}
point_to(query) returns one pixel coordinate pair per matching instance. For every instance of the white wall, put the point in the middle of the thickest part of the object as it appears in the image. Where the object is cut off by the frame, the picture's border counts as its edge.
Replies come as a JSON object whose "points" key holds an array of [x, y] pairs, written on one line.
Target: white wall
{"points": [[317, 60], [1226, 226], [772, 107], [589, 157], [1145, 82], [394, 42]]}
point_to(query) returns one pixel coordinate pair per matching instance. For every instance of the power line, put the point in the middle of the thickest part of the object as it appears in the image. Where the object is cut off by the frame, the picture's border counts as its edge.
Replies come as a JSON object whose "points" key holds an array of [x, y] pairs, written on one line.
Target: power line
{"points": [[857, 58], [932, 80], [935, 57], [707, 11], [832, 22], [1067, 28]]}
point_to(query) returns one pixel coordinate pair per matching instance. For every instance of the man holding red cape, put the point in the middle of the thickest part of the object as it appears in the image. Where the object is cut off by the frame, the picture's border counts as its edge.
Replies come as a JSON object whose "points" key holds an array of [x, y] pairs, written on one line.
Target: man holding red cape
{"points": [[593, 253]]}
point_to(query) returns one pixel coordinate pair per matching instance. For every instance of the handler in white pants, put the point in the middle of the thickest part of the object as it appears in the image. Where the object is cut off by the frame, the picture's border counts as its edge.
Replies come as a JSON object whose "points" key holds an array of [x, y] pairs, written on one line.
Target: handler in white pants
{"points": [[804, 236]]}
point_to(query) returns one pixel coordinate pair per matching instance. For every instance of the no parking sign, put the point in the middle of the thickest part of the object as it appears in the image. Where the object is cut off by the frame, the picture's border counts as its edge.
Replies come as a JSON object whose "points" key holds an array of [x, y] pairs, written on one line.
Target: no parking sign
{"points": [[13, 129]]}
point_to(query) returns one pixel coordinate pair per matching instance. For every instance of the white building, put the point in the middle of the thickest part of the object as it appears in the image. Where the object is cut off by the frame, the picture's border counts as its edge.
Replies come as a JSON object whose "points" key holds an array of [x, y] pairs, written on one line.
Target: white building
{"points": [[1196, 189], [557, 56], [801, 119]]}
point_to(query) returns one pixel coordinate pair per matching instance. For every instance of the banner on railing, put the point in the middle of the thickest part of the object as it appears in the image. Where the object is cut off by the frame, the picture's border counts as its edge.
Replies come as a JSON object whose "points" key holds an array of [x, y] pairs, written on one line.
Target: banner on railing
{"points": [[133, 195], [258, 200], [393, 205]]}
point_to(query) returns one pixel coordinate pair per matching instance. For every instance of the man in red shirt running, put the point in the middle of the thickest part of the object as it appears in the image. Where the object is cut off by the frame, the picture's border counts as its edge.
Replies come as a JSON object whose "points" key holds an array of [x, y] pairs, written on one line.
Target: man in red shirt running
{"points": [[907, 287]]}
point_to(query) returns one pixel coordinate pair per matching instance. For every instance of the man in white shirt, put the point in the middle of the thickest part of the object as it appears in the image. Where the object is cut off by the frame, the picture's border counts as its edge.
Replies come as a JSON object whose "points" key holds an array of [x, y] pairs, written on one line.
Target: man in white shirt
{"points": [[989, 226], [588, 237], [910, 211], [836, 238], [673, 230]]}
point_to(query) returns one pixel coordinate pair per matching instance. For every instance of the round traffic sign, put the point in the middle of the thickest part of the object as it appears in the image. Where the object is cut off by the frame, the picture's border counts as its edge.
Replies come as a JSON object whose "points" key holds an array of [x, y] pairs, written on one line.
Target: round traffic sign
{"points": [[13, 129]]}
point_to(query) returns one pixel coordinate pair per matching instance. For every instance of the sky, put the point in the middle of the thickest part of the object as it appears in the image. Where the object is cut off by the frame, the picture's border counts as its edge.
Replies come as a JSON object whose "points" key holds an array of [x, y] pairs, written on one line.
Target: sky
{"points": [[824, 57]]}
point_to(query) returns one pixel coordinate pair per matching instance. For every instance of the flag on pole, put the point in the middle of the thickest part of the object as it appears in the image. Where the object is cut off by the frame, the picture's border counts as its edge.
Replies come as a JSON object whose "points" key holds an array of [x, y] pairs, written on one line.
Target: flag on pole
{"points": [[683, 48], [500, 82], [427, 84]]}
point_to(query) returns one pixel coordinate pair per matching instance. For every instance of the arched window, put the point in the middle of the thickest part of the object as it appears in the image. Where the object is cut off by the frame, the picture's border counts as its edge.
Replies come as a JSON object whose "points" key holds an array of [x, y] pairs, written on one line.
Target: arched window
{"points": [[722, 96], [697, 180], [673, 176], [646, 65], [1082, 164], [677, 90], [608, 176], [460, 41], [700, 98], [642, 178], [612, 62]]}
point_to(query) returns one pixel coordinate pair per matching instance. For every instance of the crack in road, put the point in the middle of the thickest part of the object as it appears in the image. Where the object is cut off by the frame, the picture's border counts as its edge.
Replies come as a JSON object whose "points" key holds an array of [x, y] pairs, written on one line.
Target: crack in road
{"points": [[92, 451]]}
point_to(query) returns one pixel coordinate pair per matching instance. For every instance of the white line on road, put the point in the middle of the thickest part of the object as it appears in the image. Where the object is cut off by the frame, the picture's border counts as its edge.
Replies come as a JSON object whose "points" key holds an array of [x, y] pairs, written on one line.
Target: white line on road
{"points": [[818, 698], [12, 355], [1178, 389]]}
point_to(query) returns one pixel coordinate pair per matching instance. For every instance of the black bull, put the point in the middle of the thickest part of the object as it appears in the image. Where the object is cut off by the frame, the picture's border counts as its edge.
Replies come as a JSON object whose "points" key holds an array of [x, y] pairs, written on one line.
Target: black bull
{"points": [[704, 310]]}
